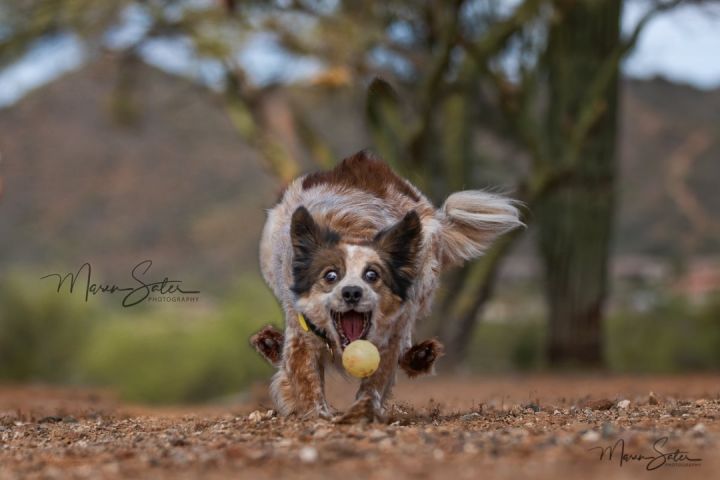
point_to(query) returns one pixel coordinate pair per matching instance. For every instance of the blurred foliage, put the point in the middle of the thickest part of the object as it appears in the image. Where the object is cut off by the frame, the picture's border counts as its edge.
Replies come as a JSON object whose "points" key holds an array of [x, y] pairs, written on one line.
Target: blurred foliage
{"points": [[673, 337], [162, 357], [502, 347], [150, 355], [41, 333], [174, 355]]}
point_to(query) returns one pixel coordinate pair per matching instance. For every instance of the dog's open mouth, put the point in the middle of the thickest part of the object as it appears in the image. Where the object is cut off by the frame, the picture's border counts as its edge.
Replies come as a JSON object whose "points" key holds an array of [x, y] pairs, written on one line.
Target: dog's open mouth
{"points": [[351, 325]]}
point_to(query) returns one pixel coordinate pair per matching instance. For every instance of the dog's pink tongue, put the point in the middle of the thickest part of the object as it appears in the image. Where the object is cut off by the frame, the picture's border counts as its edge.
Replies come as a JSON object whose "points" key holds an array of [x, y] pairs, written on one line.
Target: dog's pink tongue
{"points": [[352, 325]]}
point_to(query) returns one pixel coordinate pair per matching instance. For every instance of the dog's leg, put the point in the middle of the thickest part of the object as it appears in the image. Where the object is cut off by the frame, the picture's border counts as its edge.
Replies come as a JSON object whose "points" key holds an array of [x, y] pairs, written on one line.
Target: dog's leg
{"points": [[269, 343], [299, 387], [370, 398], [420, 358]]}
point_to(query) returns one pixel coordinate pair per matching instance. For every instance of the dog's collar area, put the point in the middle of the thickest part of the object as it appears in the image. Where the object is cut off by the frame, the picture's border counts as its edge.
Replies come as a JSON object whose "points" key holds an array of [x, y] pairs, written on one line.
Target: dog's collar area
{"points": [[308, 325]]}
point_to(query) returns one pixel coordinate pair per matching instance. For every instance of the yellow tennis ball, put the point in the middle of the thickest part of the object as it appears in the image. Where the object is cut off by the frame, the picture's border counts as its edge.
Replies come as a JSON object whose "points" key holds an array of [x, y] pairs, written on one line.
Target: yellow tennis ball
{"points": [[361, 358]]}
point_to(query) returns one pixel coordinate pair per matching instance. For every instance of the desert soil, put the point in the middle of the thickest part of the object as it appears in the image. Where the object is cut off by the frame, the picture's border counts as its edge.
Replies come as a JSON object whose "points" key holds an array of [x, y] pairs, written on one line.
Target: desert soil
{"points": [[442, 427]]}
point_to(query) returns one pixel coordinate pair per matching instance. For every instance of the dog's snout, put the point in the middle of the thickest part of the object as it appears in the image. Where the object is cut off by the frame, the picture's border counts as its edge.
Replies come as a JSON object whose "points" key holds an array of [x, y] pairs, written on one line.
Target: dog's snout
{"points": [[352, 294]]}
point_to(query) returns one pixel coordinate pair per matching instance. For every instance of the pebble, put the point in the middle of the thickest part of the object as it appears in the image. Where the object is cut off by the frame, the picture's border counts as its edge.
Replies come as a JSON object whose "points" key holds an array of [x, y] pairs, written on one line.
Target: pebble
{"points": [[255, 416], [386, 444], [699, 430], [623, 404], [602, 404], [308, 454], [470, 448], [590, 436], [652, 399], [322, 432]]}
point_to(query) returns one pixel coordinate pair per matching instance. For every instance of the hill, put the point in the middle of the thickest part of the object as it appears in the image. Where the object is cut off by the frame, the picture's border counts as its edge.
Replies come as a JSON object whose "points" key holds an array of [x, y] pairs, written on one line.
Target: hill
{"points": [[177, 185]]}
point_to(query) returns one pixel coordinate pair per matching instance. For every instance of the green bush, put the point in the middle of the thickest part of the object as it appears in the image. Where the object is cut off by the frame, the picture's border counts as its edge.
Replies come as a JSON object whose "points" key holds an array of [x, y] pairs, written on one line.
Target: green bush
{"points": [[42, 334], [507, 346], [673, 337], [171, 356]]}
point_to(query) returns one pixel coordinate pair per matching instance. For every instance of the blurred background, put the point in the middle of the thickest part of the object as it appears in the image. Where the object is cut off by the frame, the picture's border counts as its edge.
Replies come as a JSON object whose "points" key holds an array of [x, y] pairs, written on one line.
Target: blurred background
{"points": [[163, 130]]}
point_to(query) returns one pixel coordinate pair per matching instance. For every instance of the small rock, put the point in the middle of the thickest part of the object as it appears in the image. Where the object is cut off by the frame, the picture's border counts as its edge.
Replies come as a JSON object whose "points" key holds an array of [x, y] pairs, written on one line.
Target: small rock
{"points": [[470, 416], [308, 454], [270, 414], [178, 442], [700, 402], [438, 455], [386, 444], [470, 448], [699, 430], [623, 404], [590, 436], [557, 412], [51, 419], [377, 435], [322, 432], [652, 399], [602, 404], [255, 416]]}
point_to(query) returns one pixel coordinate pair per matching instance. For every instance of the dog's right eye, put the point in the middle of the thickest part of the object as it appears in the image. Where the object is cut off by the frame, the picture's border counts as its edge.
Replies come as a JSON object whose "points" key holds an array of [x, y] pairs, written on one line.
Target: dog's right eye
{"points": [[331, 276]]}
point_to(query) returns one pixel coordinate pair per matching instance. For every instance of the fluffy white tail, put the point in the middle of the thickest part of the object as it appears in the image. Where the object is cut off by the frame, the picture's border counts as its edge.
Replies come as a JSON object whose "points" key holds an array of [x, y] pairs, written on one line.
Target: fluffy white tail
{"points": [[471, 220]]}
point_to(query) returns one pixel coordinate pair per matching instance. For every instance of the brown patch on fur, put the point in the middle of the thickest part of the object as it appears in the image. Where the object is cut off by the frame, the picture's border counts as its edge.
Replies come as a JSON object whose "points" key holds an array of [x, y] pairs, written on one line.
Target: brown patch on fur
{"points": [[364, 172], [299, 387], [269, 343], [420, 358]]}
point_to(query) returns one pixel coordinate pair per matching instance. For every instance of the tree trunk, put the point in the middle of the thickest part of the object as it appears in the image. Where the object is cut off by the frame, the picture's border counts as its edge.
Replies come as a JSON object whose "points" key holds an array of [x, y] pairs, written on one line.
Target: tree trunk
{"points": [[575, 219]]}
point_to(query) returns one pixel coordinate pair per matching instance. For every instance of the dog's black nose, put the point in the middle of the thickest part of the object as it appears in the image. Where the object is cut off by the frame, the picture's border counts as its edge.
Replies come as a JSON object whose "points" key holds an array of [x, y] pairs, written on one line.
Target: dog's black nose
{"points": [[352, 294]]}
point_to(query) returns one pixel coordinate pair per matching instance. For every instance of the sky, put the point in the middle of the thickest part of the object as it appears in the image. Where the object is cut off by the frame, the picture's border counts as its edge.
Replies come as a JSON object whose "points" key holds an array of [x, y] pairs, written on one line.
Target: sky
{"points": [[682, 45]]}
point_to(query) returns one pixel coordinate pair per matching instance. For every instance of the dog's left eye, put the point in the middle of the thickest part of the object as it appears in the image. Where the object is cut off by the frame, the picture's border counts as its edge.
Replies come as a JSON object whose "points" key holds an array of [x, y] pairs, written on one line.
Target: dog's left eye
{"points": [[331, 276], [370, 276]]}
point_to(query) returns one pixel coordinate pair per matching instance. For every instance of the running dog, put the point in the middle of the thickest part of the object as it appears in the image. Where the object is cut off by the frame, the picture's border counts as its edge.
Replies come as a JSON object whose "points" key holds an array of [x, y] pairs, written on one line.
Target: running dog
{"points": [[356, 253]]}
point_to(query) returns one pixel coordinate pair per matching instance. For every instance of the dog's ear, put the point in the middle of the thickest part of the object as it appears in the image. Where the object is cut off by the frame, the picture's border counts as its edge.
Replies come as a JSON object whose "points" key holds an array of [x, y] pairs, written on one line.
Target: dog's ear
{"points": [[398, 246], [304, 232], [307, 238]]}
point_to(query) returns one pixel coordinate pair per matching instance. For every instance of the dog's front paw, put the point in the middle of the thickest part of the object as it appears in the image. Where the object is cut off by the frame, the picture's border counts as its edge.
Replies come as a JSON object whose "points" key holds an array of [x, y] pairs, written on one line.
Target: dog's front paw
{"points": [[269, 343], [420, 358], [362, 411]]}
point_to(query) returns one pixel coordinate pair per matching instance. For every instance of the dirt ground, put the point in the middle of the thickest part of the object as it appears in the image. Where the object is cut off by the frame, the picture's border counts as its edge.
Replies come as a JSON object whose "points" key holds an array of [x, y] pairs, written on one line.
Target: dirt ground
{"points": [[442, 427]]}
